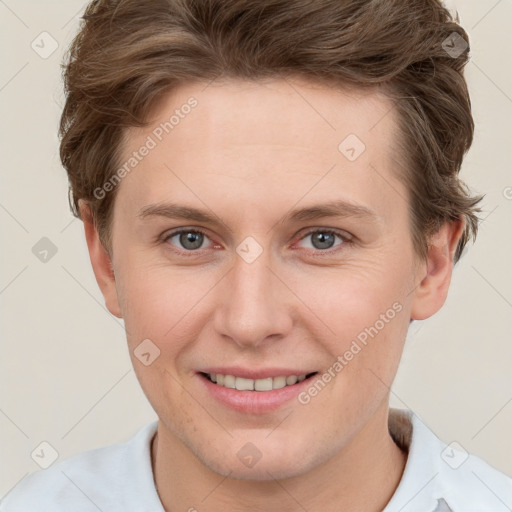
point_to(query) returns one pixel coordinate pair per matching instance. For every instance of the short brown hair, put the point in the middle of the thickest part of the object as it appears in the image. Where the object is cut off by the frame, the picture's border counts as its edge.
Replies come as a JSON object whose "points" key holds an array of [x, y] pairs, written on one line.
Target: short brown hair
{"points": [[128, 52]]}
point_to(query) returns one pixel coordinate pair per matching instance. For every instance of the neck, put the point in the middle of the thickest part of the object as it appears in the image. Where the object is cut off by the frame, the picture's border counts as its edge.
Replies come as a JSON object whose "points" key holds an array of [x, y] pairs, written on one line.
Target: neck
{"points": [[363, 476]]}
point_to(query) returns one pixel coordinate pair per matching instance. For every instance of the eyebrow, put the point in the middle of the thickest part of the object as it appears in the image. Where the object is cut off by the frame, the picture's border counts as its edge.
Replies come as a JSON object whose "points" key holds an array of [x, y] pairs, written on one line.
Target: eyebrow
{"points": [[338, 208]]}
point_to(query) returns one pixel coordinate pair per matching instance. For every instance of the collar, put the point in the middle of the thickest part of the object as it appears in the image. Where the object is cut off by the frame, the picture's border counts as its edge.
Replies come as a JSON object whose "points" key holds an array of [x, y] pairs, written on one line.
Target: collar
{"points": [[437, 477], [419, 487], [442, 478]]}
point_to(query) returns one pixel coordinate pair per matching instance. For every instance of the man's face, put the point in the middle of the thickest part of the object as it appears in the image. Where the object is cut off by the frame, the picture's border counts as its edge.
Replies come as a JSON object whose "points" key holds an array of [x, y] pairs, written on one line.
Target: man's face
{"points": [[260, 290]]}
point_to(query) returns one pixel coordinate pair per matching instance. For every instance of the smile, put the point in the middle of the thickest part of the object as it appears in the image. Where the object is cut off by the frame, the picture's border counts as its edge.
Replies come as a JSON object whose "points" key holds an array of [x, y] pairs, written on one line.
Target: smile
{"points": [[267, 384]]}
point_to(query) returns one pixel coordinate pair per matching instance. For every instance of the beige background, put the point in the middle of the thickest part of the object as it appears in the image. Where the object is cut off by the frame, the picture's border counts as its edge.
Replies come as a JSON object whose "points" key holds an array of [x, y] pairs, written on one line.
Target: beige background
{"points": [[66, 376]]}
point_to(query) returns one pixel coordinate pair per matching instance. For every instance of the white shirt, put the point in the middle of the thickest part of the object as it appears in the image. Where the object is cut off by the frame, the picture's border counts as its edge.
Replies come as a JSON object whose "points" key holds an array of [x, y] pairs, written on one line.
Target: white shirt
{"points": [[119, 478]]}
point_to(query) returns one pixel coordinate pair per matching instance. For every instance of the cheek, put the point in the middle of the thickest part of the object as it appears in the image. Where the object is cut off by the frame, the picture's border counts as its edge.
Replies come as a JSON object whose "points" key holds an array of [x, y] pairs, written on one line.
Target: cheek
{"points": [[169, 307], [364, 320], [348, 300], [157, 299]]}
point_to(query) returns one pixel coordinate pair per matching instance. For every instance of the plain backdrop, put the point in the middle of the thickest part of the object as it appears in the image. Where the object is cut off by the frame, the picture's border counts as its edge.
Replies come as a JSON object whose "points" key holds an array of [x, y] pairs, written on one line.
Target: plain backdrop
{"points": [[66, 376]]}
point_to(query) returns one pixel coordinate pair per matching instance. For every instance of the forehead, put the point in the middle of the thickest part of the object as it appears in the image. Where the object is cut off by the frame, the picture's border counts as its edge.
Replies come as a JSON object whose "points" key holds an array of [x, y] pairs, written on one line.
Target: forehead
{"points": [[244, 139], [300, 113]]}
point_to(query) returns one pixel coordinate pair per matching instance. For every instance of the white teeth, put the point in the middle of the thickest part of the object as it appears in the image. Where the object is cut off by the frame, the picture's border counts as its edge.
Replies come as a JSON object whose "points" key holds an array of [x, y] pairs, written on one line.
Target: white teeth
{"points": [[279, 382], [263, 384], [229, 381], [243, 384], [292, 379]]}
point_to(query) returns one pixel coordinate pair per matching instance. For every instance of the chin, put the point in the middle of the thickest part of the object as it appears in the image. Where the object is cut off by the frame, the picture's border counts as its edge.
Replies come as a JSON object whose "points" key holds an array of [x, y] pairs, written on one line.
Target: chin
{"points": [[263, 471], [243, 460]]}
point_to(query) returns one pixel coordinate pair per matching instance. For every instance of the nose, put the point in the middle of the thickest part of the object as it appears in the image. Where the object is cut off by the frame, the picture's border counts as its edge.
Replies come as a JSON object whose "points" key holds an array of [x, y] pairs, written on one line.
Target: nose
{"points": [[255, 306]]}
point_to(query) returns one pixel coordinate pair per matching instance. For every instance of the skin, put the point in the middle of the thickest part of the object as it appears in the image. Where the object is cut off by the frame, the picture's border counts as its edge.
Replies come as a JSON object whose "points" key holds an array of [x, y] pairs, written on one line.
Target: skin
{"points": [[249, 153]]}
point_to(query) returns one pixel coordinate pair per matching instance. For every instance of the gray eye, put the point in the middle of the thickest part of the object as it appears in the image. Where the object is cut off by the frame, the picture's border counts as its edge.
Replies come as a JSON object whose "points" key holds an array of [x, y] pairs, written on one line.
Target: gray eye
{"points": [[321, 239], [189, 240]]}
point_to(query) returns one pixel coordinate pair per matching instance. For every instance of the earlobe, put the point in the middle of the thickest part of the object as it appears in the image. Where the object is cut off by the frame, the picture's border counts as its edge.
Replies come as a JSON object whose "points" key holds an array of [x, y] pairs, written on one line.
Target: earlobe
{"points": [[433, 280], [101, 262]]}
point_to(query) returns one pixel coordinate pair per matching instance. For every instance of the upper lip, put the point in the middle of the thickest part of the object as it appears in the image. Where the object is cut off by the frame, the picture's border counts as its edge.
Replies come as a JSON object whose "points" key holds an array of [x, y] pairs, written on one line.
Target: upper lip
{"points": [[254, 373]]}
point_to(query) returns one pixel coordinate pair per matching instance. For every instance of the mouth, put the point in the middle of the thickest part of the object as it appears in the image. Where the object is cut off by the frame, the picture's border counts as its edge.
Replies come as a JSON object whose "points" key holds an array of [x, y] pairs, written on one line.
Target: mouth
{"points": [[254, 391], [259, 385]]}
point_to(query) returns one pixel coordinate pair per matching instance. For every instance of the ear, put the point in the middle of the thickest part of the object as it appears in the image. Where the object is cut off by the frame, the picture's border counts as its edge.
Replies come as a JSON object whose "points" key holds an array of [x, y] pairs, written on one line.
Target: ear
{"points": [[101, 261], [434, 275]]}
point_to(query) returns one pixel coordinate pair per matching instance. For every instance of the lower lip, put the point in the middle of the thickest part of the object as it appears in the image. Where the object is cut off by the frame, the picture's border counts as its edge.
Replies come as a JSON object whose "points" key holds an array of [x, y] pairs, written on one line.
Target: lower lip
{"points": [[254, 402]]}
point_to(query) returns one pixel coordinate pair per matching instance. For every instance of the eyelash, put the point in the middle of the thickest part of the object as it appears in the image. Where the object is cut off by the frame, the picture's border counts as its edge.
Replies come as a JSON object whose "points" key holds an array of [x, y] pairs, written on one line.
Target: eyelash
{"points": [[345, 237]]}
